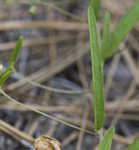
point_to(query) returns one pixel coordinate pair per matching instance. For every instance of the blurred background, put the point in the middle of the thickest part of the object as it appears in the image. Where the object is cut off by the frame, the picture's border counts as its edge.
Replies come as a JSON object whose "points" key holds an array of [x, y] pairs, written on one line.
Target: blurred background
{"points": [[56, 55]]}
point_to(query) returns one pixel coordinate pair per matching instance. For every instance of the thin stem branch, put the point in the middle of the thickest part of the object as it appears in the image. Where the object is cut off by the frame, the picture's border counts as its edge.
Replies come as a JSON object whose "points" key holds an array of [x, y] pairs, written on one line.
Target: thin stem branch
{"points": [[44, 114]]}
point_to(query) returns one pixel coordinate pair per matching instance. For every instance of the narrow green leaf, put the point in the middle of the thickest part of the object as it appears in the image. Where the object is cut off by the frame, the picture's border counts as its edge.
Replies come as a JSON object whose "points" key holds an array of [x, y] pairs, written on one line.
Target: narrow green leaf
{"points": [[16, 51], [5, 77], [107, 140], [95, 4], [106, 31], [13, 57], [134, 145], [97, 74], [120, 32]]}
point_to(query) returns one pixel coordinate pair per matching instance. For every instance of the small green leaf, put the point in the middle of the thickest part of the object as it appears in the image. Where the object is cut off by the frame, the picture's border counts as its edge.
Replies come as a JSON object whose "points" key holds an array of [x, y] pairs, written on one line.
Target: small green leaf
{"points": [[16, 51], [106, 31], [120, 32], [105, 144], [97, 75], [5, 76], [32, 9], [13, 57], [95, 4], [134, 145]]}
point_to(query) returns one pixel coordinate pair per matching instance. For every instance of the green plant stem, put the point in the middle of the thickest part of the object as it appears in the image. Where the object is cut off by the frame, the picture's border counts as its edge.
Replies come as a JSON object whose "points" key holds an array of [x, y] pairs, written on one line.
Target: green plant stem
{"points": [[58, 9], [44, 114], [47, 87]]}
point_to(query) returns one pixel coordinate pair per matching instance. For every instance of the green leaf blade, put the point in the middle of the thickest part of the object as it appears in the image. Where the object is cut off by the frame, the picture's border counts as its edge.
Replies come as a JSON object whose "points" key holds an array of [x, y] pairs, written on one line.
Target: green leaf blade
{"points": [[95, 4], [122, 29], [134, 145], [105, 144], [16, 51], [13, 57], [97, 74], [5, 77], [106, 31]]}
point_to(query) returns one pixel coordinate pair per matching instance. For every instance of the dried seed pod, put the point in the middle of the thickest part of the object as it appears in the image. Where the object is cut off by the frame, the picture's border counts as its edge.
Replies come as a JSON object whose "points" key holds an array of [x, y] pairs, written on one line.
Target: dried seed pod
{"points": [[46, 143]]}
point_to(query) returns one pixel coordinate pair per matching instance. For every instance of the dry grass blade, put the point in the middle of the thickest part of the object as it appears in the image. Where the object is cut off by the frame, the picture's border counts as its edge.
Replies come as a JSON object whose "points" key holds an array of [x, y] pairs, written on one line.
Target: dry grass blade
{"points": [[59, 25], [15, 132]]}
